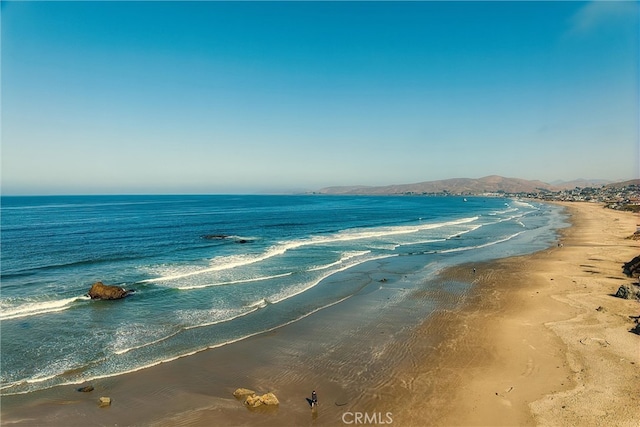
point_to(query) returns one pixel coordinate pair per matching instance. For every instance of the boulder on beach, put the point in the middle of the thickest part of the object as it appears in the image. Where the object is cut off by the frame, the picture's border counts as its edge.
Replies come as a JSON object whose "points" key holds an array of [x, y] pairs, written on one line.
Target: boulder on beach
{"points": [[241, 392], [86, 389], [636, 328], [627, 292], [101, 291], [269, 399], [623, 292], [253, 401], [632, 268], [105, 401]]}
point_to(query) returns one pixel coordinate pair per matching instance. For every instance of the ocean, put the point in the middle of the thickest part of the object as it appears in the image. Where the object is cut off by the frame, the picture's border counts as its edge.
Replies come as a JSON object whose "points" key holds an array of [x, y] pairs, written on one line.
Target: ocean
{"points": [[211, 270]]}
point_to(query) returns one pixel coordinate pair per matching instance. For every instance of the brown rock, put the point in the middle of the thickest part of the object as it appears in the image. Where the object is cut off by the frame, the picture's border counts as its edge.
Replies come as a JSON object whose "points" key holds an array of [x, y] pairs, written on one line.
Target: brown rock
{"points": [[101, 291], [253, 401], [241, 392], [269, 399]]}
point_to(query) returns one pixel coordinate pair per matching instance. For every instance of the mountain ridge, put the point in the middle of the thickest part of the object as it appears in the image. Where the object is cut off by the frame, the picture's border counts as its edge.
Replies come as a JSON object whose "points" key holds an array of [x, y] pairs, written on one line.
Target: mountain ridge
{"points": [[470, 186]]}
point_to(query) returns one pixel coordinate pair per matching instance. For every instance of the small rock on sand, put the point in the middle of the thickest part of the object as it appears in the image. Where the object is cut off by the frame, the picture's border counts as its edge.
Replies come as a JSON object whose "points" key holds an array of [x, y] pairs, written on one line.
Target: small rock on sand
{"points": [[241, 392], [105, 401]]}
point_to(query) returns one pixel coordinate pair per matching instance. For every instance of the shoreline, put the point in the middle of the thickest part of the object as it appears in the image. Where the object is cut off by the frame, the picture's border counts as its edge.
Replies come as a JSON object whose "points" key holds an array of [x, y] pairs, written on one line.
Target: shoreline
{"points": [[499, 358], [555, 350]]}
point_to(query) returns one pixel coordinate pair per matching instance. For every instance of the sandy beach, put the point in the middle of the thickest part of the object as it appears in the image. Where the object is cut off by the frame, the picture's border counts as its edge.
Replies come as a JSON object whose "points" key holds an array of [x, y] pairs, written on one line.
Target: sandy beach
{"points": [[539, 340]]}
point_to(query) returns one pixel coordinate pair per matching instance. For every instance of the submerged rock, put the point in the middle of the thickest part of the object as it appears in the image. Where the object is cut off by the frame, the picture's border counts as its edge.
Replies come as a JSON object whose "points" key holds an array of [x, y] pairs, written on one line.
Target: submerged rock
{"points": [[86, 389], [101, 291]]}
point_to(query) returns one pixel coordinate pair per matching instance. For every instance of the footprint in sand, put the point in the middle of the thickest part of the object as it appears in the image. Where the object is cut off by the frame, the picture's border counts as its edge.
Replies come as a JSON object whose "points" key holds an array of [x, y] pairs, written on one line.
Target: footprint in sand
{"points": [[529, 369]]}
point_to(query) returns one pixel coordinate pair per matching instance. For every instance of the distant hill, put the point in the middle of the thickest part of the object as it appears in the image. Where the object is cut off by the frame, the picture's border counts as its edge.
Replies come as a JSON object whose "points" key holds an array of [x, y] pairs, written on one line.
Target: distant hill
{"points": [[582, 183], [488, 184], [624, 183]]}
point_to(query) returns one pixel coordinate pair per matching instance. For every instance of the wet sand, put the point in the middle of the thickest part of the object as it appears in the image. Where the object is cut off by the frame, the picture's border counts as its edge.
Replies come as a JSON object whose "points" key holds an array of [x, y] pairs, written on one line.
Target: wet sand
{"points": [[526, 346], [541, 341]]}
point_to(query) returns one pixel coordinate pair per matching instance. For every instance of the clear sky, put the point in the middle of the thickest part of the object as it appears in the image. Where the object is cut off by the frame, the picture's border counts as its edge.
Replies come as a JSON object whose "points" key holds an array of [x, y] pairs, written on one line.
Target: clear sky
{"points": [[209, 97]]}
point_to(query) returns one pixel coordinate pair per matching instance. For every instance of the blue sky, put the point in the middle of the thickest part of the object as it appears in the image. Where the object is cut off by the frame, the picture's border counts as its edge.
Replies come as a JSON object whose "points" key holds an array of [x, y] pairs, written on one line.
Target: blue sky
{"points": [[210, 97]]}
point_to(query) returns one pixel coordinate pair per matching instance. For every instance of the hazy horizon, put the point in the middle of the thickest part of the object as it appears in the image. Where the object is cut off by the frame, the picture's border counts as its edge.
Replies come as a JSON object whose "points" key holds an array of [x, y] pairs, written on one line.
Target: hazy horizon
{"points": [[217, 97]]}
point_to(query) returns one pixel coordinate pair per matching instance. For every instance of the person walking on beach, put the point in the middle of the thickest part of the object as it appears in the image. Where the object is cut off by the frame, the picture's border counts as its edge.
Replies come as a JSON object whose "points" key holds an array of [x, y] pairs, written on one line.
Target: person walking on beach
{"points": [[314, 399]]}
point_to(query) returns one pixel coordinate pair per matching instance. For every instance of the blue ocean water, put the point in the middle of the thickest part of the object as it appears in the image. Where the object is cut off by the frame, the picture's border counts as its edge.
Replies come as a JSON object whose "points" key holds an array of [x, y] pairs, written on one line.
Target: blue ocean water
{"points": [[210, 270]]}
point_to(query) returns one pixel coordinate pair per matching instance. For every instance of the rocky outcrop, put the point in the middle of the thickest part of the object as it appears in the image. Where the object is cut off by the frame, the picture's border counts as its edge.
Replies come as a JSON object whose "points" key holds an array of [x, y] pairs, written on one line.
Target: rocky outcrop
{"points": [[627, 292], [101, 291], [634, 236], [268, 399], [624, 292], [236, 239], [632, 268], [214, 236], [252, 400], [636, 328]]}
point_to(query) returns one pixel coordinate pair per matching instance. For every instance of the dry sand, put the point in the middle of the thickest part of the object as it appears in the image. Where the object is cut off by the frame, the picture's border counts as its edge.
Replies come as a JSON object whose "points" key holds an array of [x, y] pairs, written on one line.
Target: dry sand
{"points": [[541, 340]]}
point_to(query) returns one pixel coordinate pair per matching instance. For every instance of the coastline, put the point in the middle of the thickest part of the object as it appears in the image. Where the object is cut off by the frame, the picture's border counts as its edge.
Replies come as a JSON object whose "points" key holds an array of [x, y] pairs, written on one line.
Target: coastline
{"points": [[508, 355], [542, 340]]}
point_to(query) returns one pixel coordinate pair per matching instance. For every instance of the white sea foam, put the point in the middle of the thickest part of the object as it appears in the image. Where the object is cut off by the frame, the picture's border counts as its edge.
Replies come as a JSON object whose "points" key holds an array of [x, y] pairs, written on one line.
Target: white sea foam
{"points": [[502, 212], [192, 317], [303, 287], [221, 316], [460, 233], [510, 218], [227, 263], [235, 261], [161, 361], [346, 257], [467, 248], [40, 307], [525, 204], [259, 304], [48, 372], [146, 344], [234, 282]]}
